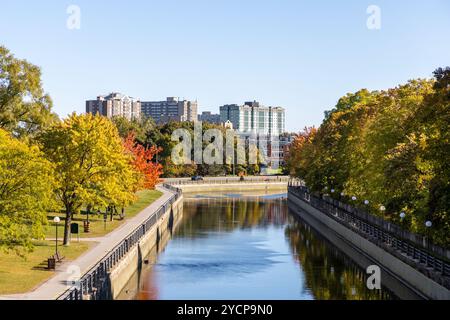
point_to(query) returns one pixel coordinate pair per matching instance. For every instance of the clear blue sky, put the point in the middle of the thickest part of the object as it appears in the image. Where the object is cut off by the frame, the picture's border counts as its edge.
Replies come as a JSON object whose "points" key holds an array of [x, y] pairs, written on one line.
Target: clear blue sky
{"points": [[302, 55]]}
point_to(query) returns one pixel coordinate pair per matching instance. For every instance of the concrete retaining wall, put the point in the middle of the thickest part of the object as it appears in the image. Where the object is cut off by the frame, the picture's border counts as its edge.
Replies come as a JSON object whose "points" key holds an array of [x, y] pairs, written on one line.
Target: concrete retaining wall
{"points": [[132, 261], [406, 273], [235, 187]]}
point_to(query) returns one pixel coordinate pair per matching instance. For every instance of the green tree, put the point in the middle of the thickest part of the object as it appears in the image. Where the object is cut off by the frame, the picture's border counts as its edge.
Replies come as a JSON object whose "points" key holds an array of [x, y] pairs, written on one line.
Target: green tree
{"points": [[390, 147], [140, 127], [24, 107], [26, 181], [92, 166]]}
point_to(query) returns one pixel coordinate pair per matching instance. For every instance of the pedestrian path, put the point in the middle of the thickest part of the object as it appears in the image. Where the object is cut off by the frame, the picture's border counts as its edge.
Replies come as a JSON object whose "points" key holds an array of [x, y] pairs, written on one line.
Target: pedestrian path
{"points": [[67, 271]]}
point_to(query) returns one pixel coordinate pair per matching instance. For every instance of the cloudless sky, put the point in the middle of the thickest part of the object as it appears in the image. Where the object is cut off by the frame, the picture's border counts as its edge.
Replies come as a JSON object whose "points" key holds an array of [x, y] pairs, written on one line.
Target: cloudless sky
{"points": [[302, 55]]}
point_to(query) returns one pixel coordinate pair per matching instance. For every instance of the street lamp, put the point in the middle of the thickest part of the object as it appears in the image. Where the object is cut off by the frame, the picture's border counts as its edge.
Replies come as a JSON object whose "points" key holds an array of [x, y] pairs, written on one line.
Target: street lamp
{"points": [[402, 215], [366, 202], [56, 220], [428, 224], [354, 198], [332, 190], [382, 209]]}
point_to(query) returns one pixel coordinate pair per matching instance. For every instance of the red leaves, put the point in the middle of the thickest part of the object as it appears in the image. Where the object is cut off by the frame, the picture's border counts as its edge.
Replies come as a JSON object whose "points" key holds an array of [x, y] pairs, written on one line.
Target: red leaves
{"points": [[142, 160]]}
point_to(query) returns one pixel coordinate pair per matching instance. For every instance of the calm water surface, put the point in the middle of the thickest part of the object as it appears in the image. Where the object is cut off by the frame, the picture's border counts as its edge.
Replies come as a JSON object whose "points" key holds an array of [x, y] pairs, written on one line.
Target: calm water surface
{"points": [[237, 247]]}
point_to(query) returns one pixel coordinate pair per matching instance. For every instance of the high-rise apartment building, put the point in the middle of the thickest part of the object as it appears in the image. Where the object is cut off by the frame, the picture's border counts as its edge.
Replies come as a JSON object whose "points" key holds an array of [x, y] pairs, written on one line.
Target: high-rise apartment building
{"points": [[253, 118], [207, 116], [258, 125], [172, 109], [115, 104]]}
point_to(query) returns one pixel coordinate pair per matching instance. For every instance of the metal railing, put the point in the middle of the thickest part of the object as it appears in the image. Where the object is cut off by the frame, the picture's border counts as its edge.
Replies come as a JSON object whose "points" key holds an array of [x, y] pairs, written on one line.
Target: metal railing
{"points": [[376, 234], [95, 281]]}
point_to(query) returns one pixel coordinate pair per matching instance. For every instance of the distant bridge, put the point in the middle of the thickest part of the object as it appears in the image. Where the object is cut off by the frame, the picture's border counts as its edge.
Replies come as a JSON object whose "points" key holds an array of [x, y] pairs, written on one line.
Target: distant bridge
{"points": [[218, 184]]}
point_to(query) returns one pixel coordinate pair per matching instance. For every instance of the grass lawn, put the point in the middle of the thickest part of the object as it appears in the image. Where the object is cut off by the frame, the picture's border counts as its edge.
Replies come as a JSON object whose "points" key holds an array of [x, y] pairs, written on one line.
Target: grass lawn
{"points": [[19, 275], [97, 226]]}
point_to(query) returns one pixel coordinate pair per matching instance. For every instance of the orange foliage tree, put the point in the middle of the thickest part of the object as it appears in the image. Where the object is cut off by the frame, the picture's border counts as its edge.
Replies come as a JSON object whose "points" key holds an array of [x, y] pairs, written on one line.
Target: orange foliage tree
{"points": [[143, 161]]}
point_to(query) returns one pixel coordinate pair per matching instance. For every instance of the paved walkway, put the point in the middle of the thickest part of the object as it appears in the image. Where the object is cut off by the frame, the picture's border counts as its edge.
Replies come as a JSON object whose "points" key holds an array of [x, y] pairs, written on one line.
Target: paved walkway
{"points": [[56, 285]]}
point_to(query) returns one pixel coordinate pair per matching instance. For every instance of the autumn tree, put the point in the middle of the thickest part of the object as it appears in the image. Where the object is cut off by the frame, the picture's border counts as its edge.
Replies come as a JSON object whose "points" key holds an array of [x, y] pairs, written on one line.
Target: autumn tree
{"points": [[298, 157], [91, 164], [143, 161], [26, 181], [24, 107], [389, 147]]}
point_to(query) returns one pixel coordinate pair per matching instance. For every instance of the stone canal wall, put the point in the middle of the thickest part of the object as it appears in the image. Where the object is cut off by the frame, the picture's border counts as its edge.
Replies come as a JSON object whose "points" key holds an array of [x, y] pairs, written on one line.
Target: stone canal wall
{"points": [[403, 271], [132, 261], [107, 278]]}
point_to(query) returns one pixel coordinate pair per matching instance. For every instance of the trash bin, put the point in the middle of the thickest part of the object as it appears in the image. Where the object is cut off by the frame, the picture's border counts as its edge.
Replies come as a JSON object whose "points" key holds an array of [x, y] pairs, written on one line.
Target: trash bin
{"points": [[86, 226], [51, 263]]}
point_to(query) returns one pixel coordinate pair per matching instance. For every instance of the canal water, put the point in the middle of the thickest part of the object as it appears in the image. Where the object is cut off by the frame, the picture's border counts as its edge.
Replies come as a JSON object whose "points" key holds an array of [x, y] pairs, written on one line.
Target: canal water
{"points": [[234, 246]]}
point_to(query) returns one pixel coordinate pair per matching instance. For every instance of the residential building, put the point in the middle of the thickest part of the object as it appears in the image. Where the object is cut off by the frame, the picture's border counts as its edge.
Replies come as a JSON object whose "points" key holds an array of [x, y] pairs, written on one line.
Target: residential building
{"points": [[115, 104], [207, 116], [253, 118], [259, 125], [172, 109], [285, 145]]}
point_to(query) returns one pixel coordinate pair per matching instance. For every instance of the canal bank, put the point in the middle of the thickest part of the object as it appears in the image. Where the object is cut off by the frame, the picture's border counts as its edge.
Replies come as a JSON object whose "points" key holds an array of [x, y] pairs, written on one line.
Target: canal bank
{"points": [[108, 250], [236, 246], [400, 270], [151, 242], [107, 278]]}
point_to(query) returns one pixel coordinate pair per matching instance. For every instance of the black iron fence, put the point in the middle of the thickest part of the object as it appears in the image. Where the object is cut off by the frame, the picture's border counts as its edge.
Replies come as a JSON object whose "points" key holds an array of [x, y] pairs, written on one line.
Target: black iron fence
{"points": [[95, 282], [380, 233]]}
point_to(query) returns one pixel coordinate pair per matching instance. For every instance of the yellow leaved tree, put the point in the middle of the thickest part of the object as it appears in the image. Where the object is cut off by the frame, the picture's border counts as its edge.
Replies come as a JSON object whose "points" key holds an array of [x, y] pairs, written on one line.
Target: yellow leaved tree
{"points": [[91, 165]]}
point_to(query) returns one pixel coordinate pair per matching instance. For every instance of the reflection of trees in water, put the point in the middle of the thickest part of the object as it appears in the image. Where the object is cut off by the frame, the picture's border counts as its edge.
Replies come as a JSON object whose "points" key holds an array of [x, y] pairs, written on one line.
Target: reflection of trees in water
{"points": [[329, 274], [227, 214]]}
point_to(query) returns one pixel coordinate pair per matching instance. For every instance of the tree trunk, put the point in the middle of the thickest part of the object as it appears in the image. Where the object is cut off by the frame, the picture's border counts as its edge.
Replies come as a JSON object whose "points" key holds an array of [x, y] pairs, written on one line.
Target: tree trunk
{"points": [[67, 226]]}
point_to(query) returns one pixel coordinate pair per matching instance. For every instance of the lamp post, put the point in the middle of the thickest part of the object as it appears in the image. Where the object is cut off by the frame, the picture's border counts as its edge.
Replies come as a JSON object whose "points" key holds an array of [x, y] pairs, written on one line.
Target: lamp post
{"points": [[382, 209], [56, 220], [428, 225]]}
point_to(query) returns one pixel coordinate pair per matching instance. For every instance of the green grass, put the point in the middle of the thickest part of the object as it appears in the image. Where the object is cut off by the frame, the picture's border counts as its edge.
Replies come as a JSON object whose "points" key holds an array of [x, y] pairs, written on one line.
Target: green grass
{"points": [[19, 275], [97, 226]]}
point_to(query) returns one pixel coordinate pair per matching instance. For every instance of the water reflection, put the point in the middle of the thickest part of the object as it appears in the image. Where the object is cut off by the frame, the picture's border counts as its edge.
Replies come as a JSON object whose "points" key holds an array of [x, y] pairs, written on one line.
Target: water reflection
{"points": [[250, 248]]}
